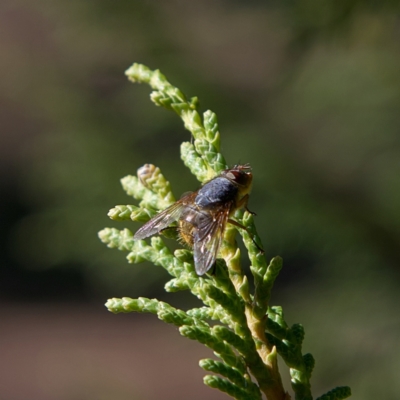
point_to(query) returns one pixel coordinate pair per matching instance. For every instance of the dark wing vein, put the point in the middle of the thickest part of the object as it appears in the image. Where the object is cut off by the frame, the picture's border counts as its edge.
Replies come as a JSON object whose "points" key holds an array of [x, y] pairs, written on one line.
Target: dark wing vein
{"points": [[163, 219], [207, 238]]}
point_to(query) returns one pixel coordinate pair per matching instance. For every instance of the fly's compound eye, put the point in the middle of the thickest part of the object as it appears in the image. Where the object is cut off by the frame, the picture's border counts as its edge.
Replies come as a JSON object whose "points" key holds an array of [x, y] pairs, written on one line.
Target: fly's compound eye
{"points": [[231, 176], [239, 177]]}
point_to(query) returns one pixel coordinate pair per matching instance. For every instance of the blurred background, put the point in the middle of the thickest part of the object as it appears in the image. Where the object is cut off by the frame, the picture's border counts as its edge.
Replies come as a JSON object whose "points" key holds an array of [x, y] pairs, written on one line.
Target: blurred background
{"points": [[307, 91]]}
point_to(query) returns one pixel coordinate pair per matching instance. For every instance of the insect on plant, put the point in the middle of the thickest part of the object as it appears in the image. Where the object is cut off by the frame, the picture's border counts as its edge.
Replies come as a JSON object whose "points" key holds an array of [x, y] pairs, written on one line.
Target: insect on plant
{"points": [[237, 321], [202, 215]]}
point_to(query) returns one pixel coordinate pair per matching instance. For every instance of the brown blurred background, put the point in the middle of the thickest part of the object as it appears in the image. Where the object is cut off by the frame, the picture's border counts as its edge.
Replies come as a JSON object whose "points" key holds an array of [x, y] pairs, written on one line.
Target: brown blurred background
{"points": [[307, 91]]}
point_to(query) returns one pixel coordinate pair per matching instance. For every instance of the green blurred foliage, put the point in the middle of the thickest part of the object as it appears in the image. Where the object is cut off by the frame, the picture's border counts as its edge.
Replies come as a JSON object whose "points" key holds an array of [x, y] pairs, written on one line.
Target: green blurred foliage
{"points": [[306, 91]]}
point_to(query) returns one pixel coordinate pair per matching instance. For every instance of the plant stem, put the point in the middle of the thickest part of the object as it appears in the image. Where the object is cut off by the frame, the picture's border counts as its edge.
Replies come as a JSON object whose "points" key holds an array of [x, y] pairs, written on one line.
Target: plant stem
{"points": [[267, 376]]}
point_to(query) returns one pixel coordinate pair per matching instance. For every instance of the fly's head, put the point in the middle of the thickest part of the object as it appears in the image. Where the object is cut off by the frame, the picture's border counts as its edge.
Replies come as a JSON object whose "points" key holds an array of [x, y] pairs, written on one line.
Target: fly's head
{"points": [[240, 176]]}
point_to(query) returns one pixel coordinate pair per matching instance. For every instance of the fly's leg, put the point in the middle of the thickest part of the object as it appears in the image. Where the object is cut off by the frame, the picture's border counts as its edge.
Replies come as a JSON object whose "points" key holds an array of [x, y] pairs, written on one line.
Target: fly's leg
{"points": [[243, 203], [250, 212], [213, 270], [233, 222]]}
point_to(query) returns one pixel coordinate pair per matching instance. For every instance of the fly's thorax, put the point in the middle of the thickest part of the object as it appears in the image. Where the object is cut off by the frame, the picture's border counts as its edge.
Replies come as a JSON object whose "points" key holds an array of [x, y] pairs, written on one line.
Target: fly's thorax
{"points": [[217, 192]]}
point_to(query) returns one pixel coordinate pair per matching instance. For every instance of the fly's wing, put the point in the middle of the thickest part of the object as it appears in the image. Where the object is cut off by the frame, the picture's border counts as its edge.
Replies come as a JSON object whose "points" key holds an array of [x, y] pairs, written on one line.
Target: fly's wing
{"points": [[164, 219], [207, 238]]}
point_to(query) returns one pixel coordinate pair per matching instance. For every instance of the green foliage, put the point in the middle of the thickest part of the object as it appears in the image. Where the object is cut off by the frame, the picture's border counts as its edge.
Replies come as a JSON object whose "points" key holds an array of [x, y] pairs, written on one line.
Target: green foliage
{"points": [[249, 333]]}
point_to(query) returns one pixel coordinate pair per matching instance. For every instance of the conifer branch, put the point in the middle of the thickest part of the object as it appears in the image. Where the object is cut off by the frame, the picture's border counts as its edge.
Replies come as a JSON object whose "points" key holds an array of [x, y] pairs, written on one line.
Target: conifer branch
{"points": [[249, 333]]}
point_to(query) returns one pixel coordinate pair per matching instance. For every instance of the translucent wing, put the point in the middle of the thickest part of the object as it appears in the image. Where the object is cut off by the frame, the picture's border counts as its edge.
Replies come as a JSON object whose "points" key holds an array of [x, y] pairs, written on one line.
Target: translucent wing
{"points": [[164, 219], [207, 238]]}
